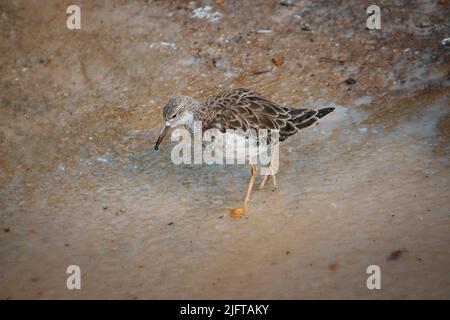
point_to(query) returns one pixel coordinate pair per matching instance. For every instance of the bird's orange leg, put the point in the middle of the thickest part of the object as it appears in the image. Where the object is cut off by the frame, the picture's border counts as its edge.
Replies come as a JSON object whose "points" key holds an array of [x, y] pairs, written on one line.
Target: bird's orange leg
{"points": [[250, 184], [266, 177], [264, 180], [239, 212]]}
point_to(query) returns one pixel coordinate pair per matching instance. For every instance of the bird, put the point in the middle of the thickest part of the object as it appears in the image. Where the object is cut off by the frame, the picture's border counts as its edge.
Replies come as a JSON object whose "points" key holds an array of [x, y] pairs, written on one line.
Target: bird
{"points": [[241, 110]]}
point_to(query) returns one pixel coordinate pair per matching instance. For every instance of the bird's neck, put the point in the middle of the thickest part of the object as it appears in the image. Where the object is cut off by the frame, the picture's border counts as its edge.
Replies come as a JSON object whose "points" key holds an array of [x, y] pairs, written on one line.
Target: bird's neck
{"points": [[194, 115]]}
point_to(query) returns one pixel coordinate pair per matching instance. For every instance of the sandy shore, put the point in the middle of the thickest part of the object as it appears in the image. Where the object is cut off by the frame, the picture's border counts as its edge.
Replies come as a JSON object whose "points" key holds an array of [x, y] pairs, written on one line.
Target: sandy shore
{"points": [[80, 183]]}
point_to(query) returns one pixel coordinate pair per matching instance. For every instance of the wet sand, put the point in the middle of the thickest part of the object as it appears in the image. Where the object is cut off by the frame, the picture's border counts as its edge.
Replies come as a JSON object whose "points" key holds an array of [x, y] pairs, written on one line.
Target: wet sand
{"points": [[81, 184]]}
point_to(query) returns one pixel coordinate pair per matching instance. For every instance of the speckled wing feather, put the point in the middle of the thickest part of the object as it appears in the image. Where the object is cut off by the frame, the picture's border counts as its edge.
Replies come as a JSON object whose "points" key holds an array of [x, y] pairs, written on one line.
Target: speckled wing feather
{"points": [[247, 109]]}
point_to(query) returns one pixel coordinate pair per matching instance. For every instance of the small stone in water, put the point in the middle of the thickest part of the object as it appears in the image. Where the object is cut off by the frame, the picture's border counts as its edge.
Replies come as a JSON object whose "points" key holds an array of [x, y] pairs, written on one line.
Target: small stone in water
{"points": [[278, 60], [395, 255]]}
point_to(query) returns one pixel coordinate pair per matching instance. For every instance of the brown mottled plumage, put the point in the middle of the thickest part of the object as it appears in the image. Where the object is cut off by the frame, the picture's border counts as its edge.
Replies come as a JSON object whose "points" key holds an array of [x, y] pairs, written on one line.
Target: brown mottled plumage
{"points": [[247, 109]]}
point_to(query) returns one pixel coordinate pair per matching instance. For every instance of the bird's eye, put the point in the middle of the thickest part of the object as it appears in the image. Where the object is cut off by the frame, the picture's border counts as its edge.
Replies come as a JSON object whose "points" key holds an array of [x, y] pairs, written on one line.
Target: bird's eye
{"points": [[173, 116]]}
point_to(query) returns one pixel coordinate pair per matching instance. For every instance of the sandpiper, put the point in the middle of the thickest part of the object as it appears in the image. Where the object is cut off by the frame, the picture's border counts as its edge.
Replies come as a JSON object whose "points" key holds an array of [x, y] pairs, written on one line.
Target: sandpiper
{"points": [[239, 109]]}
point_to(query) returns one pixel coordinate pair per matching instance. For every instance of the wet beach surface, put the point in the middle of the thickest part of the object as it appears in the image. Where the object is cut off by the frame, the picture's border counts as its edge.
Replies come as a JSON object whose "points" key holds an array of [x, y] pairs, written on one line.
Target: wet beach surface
{"points": [[81, 184]]}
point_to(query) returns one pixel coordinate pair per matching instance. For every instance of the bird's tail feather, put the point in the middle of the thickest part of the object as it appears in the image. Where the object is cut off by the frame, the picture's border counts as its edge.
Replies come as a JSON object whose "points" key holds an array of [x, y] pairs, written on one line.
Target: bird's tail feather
{"points": [[323, 112], [304, 118]]}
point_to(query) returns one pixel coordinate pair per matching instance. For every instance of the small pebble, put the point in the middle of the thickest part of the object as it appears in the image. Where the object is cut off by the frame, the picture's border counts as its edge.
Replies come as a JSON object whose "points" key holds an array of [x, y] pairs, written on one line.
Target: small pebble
{"points": [[278, 60], [395, 255], [350, 81]]}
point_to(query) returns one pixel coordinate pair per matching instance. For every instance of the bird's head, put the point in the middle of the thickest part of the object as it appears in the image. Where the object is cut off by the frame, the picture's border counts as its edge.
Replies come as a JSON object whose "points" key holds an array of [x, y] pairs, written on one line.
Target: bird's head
{"points": [[178, 111]]}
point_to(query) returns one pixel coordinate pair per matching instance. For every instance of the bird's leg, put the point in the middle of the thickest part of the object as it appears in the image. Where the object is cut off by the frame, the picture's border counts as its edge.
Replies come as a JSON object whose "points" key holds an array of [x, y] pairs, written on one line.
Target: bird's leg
{"points": [[250, 184], [266, 177], [264, 180], [274, 179]]}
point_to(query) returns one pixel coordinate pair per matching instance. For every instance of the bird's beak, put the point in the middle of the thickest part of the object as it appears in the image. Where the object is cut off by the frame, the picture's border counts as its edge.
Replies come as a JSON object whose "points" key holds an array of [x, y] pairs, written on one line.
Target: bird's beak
{"points": [[162, 134]]}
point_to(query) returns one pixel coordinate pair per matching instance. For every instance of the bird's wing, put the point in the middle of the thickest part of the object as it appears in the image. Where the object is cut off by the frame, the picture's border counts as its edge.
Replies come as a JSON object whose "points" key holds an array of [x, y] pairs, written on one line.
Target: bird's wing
{"points": [[244, 109]]}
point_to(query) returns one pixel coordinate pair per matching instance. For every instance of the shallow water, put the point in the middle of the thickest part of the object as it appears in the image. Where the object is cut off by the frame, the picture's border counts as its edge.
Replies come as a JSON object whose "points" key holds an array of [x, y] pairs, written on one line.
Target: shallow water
{"points": [[81, 183]]}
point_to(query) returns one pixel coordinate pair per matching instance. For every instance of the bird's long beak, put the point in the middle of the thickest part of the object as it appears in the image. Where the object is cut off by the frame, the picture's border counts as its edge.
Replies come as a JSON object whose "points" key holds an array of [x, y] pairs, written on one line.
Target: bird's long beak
{"points": [[162, 134]]}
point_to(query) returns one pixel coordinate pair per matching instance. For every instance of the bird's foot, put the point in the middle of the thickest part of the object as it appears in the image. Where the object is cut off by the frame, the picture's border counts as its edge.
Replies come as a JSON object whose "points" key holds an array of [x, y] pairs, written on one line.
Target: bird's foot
{"points": [[237, 212]]}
